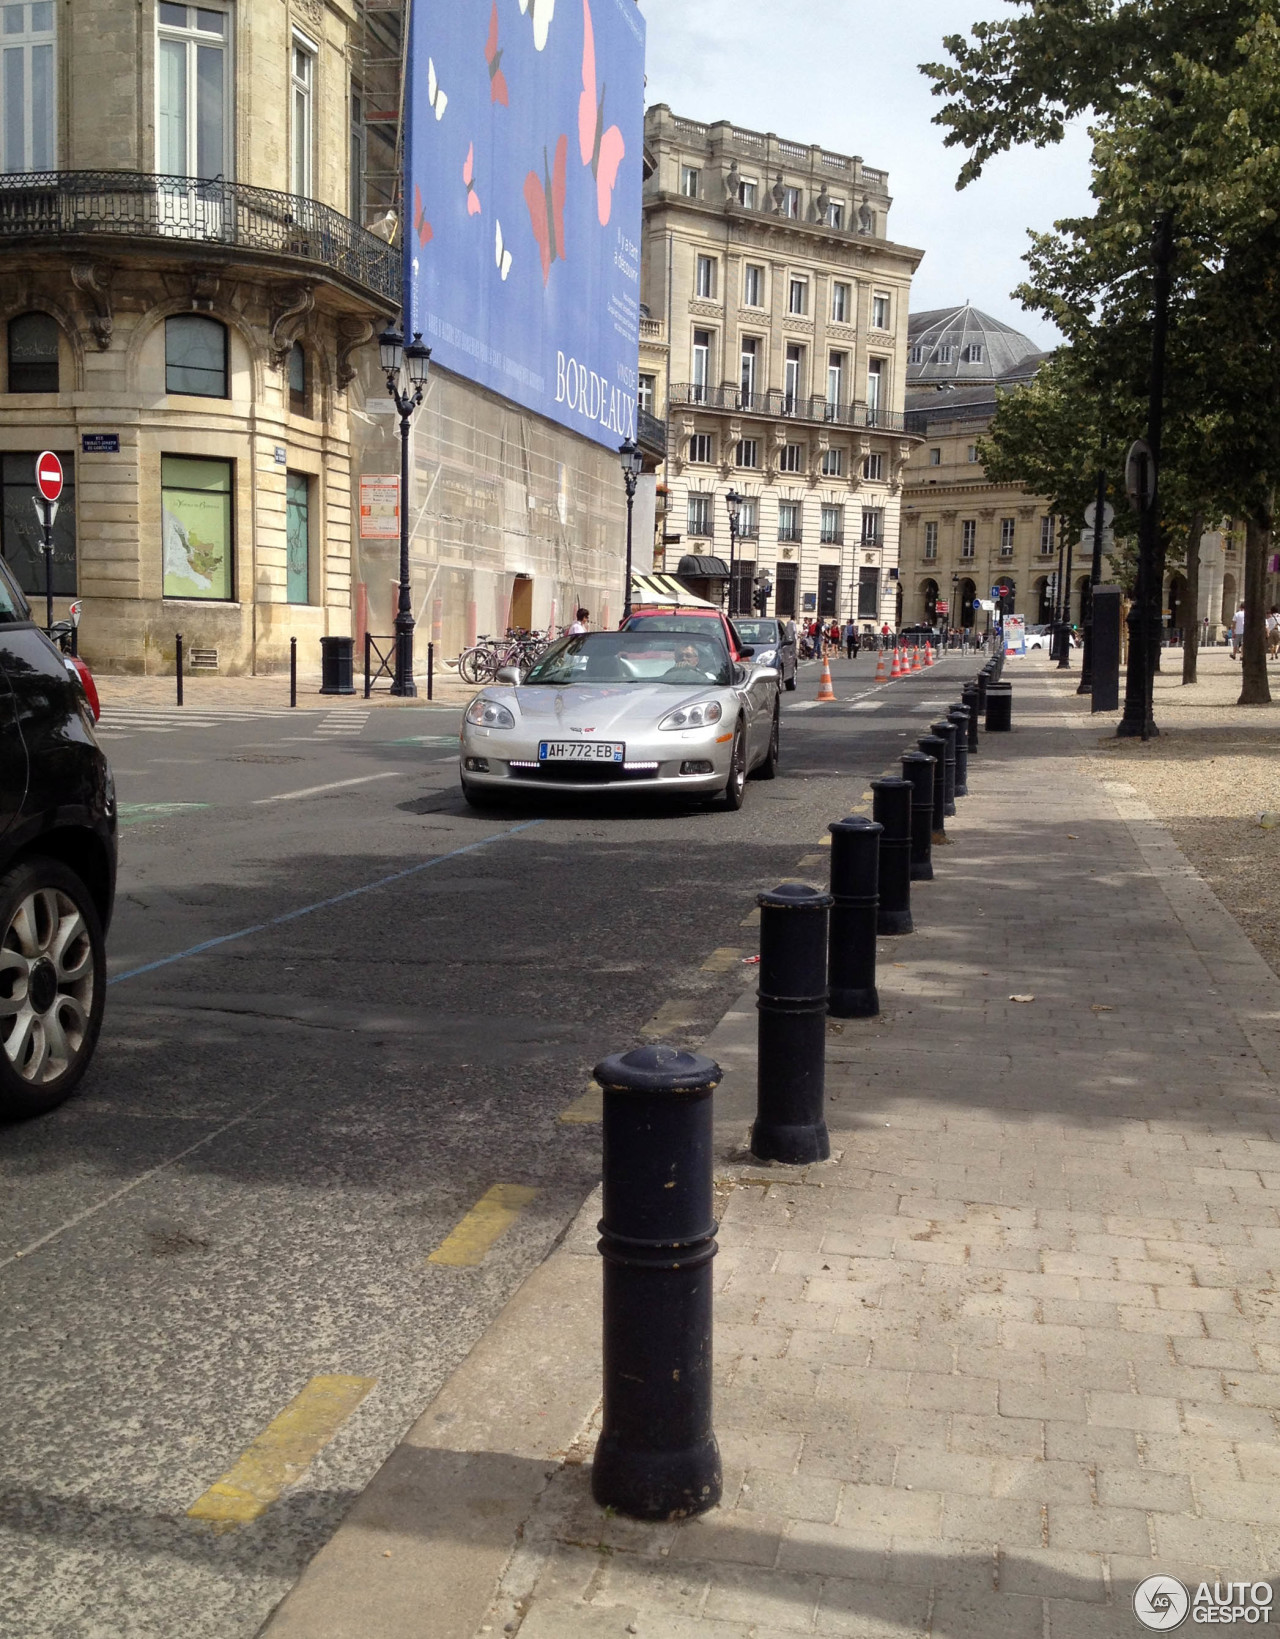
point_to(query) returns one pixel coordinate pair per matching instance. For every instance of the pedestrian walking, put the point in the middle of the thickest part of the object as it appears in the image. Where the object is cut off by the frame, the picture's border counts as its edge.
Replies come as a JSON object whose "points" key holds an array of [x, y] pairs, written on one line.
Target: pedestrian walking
{"points": [[580, 624], [850, 638], [1237, 632], [1273, 633]]}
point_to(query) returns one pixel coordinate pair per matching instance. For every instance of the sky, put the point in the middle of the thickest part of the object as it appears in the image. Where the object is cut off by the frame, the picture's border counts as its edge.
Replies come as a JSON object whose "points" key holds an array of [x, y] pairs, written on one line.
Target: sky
{"points": [[845, 73]]}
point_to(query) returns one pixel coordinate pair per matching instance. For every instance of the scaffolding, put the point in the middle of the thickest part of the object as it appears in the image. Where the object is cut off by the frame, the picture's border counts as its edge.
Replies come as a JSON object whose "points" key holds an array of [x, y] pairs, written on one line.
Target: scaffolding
{"points": [[377, 98]]}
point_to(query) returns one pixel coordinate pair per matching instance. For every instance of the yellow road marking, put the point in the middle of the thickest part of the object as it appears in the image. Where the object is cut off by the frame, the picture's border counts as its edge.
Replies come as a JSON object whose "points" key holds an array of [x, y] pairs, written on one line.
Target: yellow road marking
{"points": [[752, 918], [671, 1016], [492, 1215], [813, 859], [723, 960], [585, 1110], [282, 1452], [825, 842]]}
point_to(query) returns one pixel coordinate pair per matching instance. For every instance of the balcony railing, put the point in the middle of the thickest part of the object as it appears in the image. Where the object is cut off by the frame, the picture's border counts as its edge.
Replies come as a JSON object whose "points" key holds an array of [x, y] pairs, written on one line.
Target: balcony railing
{"points": [[651, 433], [788, 406], [111, 205]]}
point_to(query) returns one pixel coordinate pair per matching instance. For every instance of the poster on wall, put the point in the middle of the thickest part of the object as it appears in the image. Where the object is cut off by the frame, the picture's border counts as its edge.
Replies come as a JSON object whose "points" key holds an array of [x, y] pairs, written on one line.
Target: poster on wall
{"points": [[196, 525], [379, 506], [523, 172]]}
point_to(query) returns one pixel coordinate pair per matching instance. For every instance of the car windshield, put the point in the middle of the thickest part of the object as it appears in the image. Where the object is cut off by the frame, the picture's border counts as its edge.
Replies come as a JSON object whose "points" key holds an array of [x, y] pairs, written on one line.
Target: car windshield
{"points": [[639, 656], [13, 606], [757, 631]]}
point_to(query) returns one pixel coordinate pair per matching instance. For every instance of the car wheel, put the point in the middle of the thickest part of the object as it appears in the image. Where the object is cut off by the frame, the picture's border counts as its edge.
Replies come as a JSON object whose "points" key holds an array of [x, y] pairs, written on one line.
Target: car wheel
{"points": [[768, 769], [53, 976], [736, 786]]}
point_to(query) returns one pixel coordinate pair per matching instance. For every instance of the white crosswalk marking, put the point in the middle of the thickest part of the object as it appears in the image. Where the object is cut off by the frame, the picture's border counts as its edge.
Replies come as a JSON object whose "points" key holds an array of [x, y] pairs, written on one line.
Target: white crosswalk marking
{"points": [[118, 721], [345, 721]]}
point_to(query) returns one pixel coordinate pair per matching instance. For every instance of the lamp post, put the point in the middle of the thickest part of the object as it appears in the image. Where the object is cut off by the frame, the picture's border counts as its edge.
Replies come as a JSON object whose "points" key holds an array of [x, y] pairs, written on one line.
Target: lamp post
{"points": [[733, 504], [397, 360], [632, 467]]}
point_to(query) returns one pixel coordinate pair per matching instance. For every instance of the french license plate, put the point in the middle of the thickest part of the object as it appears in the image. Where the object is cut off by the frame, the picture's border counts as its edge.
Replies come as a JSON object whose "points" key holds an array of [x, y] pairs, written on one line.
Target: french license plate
{"points": [[581, 751]]}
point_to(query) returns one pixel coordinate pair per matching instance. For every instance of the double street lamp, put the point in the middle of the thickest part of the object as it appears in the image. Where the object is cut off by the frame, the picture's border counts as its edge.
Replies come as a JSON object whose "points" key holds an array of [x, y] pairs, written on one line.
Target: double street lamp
{"points": [[632, 467], [398, 360], [733, 504]]}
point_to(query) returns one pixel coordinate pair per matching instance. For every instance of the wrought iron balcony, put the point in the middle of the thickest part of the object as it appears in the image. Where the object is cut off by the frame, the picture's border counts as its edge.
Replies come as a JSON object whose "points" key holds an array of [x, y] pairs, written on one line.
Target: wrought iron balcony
{"points": [[651, 434], [779, 405], [116, 205]]}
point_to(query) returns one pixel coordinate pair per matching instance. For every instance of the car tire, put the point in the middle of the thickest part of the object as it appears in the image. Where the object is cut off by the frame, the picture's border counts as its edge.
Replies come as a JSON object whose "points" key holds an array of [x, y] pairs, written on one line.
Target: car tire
{"points": [[53, 980], [735, 789], [768, 769]]}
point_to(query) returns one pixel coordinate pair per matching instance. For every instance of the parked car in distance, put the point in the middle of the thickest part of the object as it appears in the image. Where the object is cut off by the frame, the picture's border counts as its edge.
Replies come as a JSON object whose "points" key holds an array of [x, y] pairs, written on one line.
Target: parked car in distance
{"points": [[57, 864], [679, 617], [774, 642], [918, 634], [1041, 637]]}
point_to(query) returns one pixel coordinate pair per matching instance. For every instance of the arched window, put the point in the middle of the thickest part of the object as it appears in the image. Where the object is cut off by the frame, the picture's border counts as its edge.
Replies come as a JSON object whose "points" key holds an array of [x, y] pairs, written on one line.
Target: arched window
{"points": [[299, 398], [33, 354], [195, 356]]}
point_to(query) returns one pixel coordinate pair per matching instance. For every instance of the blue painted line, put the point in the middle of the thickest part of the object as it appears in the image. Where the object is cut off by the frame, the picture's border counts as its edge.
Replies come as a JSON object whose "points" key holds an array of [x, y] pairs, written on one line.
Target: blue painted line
{"points": [[320, 904]]}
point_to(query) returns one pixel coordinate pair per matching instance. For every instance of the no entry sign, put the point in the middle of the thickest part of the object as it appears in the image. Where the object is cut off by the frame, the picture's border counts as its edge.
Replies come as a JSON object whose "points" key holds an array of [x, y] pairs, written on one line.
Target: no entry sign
{"points": [[49, 475]]}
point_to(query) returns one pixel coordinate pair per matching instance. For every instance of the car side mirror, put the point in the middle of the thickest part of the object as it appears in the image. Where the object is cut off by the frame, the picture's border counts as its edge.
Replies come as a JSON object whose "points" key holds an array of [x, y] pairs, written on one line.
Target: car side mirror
{"points": [[746, 651], [770, 674], [508, 674]]}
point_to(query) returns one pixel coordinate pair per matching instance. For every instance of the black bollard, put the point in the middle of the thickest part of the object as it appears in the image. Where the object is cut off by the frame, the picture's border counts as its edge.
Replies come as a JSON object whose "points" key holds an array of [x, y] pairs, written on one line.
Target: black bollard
{"points": [[791, 1057], [969, 694], [891, 805], [431, 671], [960, 717], [293, 671], [851, 949], [177, 662], [946, 729], [999, 708], [657, 1457], [918, 769], [933, 745]]}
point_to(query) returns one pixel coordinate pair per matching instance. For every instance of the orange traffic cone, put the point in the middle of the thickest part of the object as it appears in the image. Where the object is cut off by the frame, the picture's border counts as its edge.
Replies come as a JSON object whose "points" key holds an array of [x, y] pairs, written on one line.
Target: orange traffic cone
{"points": [[882, 676], [825, 691], [915, 659], [929, 659], [897, 664]]}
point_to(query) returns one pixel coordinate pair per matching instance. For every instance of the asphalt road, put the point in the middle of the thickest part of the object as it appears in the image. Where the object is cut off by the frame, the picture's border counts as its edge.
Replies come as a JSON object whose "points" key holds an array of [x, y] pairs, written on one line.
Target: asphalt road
{"points": [[343, 1008]]}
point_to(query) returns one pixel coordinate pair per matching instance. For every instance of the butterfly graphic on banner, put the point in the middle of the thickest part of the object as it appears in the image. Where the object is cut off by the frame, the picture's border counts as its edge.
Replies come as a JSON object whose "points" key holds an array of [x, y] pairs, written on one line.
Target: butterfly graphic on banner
{"points": [[501, 255], [540, 13], [435, 96], [468, 176], [602, 149], [421, 226], [544, 195], [493, 56]]}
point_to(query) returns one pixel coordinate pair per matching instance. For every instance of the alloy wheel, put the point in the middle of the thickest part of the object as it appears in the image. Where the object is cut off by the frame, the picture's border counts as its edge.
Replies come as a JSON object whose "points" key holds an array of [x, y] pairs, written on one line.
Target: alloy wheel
{"points": [[46, 986]]}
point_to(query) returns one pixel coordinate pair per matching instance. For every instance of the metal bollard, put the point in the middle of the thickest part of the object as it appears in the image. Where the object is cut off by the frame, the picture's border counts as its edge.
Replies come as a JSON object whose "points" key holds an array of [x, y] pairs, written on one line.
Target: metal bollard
{"points": [[891, 806], [851, 949], [431, 671], [969, 694], [293, 671], [368, 664], [959, 715], [657, 1456], [946, 729], [791, 1056], [999, 708], [177, 662], [918, 769], [933, 745]]}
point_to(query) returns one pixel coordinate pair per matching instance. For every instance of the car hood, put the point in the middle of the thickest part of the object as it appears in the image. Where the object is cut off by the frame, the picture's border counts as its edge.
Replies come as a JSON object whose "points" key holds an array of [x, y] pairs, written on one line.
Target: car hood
{"points": [[601, 708]]}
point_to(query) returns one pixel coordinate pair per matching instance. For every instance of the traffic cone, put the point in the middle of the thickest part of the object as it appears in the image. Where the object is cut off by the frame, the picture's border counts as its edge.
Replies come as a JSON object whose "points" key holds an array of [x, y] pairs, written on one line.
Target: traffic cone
{"points": [[882, 676], [915, 659], [929, 659], [897, 664], [825, 691]]}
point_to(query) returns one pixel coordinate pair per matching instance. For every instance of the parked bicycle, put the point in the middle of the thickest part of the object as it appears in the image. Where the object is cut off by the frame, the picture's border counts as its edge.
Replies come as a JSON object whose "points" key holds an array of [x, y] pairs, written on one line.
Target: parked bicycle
{"points": [[487, 656]]}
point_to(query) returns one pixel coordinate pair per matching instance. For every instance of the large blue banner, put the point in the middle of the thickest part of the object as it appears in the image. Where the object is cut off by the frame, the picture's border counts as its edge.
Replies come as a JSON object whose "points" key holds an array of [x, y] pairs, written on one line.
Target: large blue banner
{"points": [[523, 151]]}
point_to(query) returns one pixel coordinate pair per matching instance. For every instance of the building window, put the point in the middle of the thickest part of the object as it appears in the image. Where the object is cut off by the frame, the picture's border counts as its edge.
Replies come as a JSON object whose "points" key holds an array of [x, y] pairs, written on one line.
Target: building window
{"points": [[832, 526], [705, 283], [835, 215], [33, 354], [879, 311], [968, 537], [752, 285], [875, 390], [944, 354], [792, 377], [868, 594], [749, 518], [356, 160], [700, 514], [299, 397], [750, 359], [700, 448], [193, 91], [931, 540], [195, 521], [841, 302], [21, 535], [833, 463], [645, 393], [195, 356], [690, 181], [873, 467], [915, 353], [747, 194], [300, 118], [935, 458], [798, 295], [701, 366], [748, 453], [28, 86], [790, 203], [791, 458], [873, 526], [1046, 537], [835, 378], [298, 537], [971, 454], [788, 520], [972, 354], [1006, 537]]}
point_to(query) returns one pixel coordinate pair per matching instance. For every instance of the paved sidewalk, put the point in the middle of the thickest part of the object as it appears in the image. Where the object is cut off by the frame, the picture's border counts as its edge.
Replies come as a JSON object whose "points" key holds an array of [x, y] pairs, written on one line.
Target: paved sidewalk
{"points": [[1015, 1348], [230, 694]]}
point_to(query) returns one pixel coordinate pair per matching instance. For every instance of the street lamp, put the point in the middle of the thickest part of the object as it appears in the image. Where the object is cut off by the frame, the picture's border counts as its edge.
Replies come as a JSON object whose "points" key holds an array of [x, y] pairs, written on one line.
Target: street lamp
{"points": [[398, 360], [952, 611], [632, 467], [733, 504]]}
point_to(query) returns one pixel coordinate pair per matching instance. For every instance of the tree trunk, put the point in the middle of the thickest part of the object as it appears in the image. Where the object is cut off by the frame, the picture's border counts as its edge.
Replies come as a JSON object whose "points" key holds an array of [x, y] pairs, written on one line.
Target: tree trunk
{"points": [[1191, 624], [1255, 690]]}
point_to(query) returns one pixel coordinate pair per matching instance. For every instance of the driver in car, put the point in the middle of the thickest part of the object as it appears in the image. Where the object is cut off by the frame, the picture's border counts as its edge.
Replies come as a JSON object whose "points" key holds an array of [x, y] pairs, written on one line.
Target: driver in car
{"points": [[690, 666]]}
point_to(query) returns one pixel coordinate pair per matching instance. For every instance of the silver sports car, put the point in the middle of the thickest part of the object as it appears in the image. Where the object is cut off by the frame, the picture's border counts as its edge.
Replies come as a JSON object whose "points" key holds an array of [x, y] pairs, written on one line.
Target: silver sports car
{"points": [[652, 711]]}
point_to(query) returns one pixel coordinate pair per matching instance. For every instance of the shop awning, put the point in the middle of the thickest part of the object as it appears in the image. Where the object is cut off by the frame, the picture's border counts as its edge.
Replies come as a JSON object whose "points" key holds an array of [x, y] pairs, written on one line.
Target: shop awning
{"points": [[664, 589]]}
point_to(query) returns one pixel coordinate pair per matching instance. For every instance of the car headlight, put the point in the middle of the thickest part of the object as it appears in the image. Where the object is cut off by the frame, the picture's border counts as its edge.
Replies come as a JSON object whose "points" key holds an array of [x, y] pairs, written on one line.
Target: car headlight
{"points": [[489, 714], [766, 657], [699, 716]]}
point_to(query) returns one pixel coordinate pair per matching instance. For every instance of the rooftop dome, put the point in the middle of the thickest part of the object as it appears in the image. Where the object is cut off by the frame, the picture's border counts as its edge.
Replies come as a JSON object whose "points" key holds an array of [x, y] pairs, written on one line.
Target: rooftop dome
{"points": [[963, 346]]}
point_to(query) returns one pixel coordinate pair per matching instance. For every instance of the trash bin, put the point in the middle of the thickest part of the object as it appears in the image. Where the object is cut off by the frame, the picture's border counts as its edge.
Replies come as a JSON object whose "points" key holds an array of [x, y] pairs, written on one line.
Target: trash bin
{"points": [[337, 665]]}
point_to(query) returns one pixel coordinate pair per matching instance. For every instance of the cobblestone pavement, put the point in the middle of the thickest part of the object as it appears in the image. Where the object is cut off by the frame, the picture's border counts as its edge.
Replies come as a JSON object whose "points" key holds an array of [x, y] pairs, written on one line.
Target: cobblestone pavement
{"points": [[1017, 1346]]}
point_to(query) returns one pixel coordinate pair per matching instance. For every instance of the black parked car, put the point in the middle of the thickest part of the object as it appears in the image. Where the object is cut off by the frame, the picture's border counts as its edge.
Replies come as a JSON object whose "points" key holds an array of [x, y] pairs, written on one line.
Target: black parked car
{"points": [[57, 864]]}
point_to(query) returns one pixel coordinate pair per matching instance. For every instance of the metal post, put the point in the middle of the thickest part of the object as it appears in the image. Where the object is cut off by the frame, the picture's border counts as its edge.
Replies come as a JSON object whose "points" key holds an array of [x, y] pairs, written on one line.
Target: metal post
{"points": [[999, 708], [935, 747], [891, 808], [630, 481], [851, 947], [919, 770], [1095, 575], [431, 671], [293, 671], [733, 563], [1064, 652], [657, 1456], [945, 729], [47, 544], [368, 664], [403, 683], [791, 1058], [960, 717], [177, 662], [969, 694]]}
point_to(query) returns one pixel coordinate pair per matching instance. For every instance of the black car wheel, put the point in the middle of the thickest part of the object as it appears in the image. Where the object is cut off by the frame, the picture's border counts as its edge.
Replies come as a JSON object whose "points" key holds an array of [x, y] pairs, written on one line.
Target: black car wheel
{"points": [[53, 974], [768, 769], [736, 786]]}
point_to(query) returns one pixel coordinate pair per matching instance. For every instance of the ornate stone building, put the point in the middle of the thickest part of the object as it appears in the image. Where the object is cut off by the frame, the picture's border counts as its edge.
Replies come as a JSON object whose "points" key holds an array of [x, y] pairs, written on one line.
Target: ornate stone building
{"points": [[780, 303]]}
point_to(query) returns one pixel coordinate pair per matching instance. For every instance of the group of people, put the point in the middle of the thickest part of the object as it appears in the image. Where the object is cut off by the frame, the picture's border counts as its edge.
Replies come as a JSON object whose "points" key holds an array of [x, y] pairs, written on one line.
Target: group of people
{"points": [[1273, 632]]}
